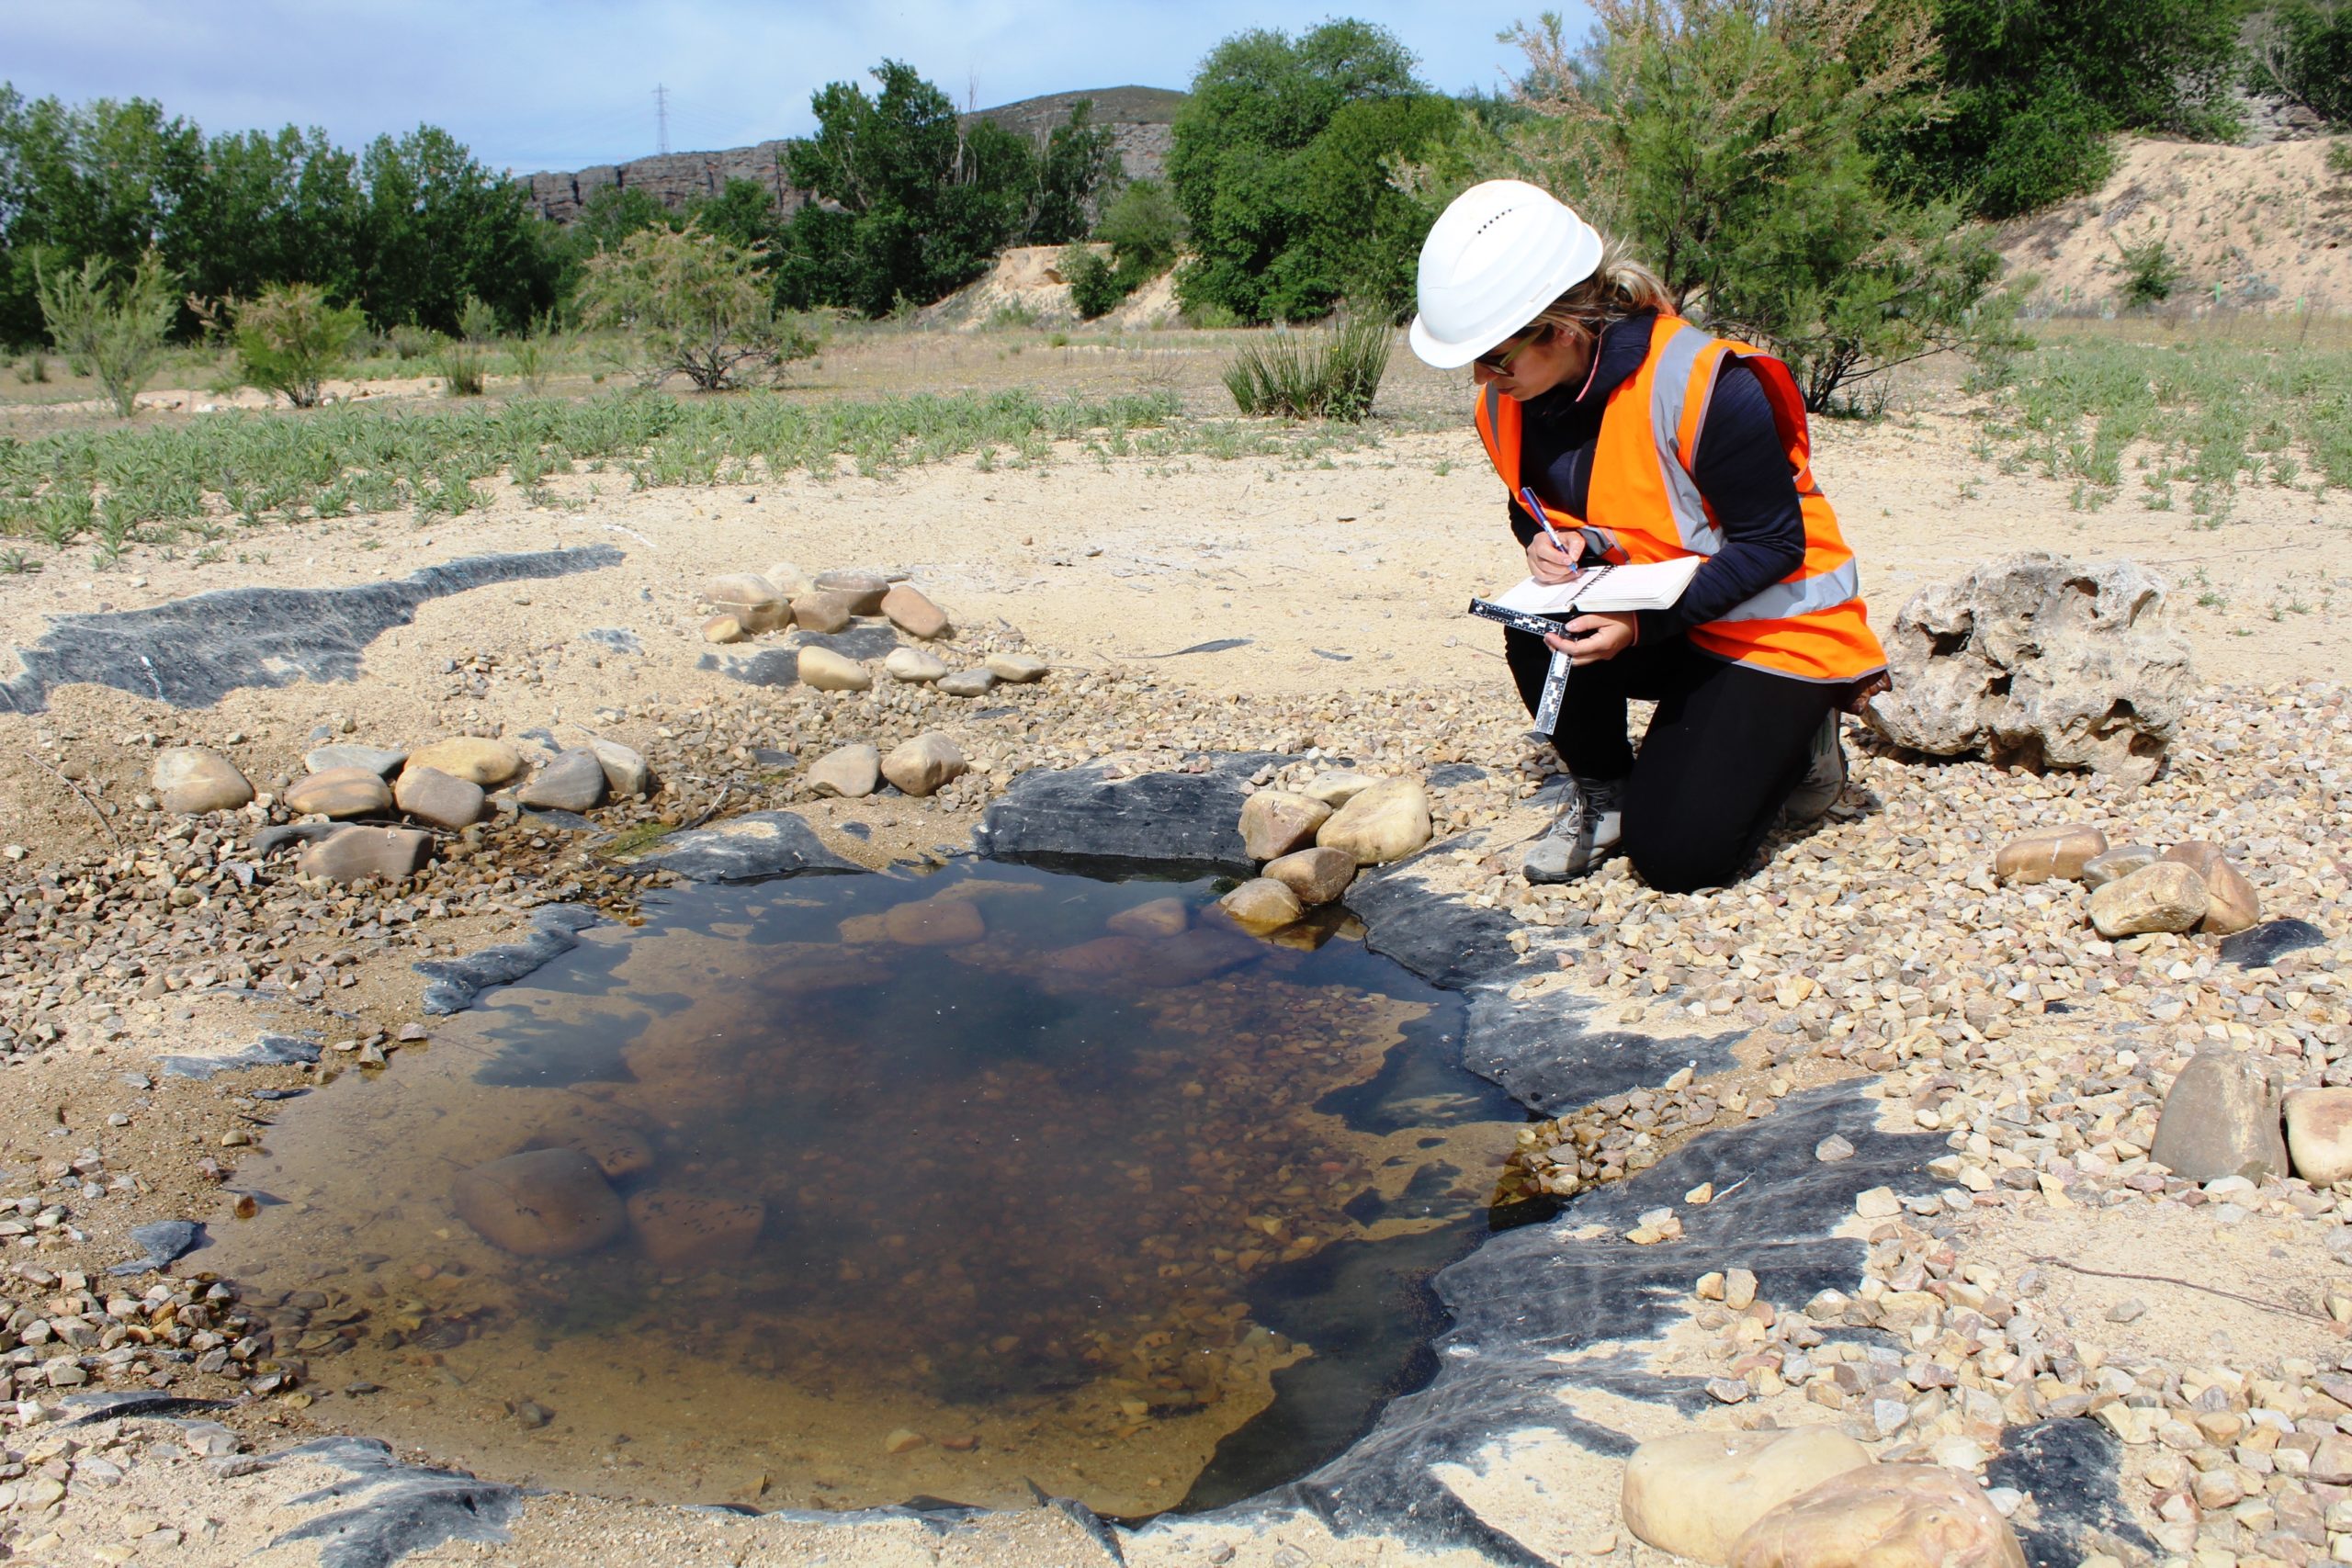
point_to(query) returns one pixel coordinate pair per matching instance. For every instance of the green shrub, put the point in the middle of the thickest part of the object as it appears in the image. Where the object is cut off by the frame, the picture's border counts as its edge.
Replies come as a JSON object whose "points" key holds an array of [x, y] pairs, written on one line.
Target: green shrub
{"points": [[411, 341], [291, 339], [2149, 269], [477, 323], [2303, 52], [692, 305], [1332, 373], [118, 330], [1094, 286], [33, 369], [2340, 158], [460, 363], [1144, 227]]}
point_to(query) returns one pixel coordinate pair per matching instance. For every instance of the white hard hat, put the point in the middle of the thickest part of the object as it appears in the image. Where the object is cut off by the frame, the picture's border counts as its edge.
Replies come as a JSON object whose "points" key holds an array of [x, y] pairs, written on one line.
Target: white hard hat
{"points": [[1497, 255]]}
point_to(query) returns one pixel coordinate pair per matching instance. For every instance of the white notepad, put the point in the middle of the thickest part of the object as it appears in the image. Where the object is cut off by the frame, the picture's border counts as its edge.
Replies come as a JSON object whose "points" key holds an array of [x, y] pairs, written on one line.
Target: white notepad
{"points": [[1649, 585]]}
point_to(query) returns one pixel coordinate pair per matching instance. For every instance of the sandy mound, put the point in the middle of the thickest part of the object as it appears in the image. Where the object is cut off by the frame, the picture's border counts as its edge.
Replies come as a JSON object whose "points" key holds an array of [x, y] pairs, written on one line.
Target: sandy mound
{"points": [[1026, 288], [2266, 225], [1150, 307]]}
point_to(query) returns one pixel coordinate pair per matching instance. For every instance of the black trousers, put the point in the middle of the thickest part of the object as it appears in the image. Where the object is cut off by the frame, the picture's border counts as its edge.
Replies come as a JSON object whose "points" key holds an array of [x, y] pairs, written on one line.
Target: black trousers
{"points": [[1728, 744]]}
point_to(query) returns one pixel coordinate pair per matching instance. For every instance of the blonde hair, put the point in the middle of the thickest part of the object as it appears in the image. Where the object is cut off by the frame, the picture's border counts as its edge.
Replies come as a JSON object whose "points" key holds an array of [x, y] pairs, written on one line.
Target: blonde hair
{"points": [[1620, 286]]}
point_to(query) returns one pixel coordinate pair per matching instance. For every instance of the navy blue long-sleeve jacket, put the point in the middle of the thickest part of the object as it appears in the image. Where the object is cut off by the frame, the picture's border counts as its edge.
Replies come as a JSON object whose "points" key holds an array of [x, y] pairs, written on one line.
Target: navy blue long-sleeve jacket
{"points": [[1739, 465]]}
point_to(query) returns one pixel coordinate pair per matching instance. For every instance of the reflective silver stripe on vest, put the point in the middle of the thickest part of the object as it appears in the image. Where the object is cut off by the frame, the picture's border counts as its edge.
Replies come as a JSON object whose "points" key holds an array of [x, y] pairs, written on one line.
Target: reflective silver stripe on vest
{"points": [[1799, 595], [1669, 388]]}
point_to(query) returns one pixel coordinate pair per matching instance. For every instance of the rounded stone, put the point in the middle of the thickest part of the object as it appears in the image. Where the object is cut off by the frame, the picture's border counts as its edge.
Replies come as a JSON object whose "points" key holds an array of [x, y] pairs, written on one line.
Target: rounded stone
{"points": [[1017, 668], [826, 670], [967, 683], [724, 629], [912, 611], [625, 772], [381, 761], [2164, 897], [693, 1231], [338, 792], [2319, 1134], [915, 665], [862, 591], [1385, 822], [2231, 903], [1262, 903], [193, 779], [349, 853], [2121, 860], [1276, 821], [1317, 875], [542, 1203], [821, 611], [923, 765], [2049, 853], [1693, 1493], [2220, 1118], [474, 758], [438, 799], [572, 781], [1887, 1516], [851, 771], [1159, 917], [935, 922], [740, 590]]}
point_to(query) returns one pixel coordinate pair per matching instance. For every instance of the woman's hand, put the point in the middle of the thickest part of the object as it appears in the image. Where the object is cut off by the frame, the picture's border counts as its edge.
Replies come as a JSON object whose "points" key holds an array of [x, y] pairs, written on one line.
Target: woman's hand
{"points": [[1546, 561], [1589, 639]]}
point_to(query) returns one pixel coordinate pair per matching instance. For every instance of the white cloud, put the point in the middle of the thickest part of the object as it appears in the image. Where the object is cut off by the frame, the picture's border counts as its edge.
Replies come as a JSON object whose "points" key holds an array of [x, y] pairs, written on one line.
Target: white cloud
{"points": [[533, 84]]}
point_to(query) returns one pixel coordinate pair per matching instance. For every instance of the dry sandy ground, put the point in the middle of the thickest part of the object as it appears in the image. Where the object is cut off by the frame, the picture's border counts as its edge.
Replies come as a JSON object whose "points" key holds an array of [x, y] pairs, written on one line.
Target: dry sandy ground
{"points": [[1347, 580]]}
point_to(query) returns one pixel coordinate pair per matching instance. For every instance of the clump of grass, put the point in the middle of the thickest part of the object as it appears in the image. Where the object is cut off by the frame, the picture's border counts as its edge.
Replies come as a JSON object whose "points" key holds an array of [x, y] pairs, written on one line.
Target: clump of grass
{"points": [[461, 366], [1332, 373]]}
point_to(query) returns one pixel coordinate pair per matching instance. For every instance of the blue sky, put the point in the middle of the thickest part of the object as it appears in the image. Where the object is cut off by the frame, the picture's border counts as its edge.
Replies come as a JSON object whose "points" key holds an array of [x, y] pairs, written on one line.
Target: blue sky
{"points": [[539, 84]]}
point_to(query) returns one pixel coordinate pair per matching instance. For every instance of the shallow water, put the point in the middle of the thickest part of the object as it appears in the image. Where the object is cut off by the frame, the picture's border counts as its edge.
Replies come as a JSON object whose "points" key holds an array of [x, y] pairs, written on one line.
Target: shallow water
{"points": [[935, 1187]]}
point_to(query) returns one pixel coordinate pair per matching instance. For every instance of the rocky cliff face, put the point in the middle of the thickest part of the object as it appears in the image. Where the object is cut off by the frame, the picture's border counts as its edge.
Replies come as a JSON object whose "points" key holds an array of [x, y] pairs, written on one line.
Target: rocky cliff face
{"points": [[1139, 119]]}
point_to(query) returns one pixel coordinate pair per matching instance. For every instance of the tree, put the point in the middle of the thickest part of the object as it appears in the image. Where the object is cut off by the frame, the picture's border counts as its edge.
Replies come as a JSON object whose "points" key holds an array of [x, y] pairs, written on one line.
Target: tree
{"points": [[1079, 161], [1724, 141], [2303, 51], [437, 226], [694, 305], [1280, 229], [291, 339], [1144, 227], [2028, 92], [119, 331]]}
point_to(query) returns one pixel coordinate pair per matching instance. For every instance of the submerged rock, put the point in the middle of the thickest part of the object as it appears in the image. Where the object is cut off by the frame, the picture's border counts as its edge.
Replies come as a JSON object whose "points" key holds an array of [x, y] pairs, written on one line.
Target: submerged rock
{"points": [[693, 1231], [935, 922], [542, 1203], [1160, 917]]}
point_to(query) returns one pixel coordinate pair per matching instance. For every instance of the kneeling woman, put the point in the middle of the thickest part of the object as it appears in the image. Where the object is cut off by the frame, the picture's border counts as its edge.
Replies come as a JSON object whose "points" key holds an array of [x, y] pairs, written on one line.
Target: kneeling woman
{"points": [[1642, 437]]}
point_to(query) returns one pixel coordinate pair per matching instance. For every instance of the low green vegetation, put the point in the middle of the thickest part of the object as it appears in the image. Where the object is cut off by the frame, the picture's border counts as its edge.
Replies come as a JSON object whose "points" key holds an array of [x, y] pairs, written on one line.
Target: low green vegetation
{"points": [[2208, 417], [1331, 373], [116, 328], [291, 339]]}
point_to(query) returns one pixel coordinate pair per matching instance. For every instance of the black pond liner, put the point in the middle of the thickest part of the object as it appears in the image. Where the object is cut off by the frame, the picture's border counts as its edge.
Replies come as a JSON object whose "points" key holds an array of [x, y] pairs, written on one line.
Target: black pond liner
{"points": [[1499, 1316]]}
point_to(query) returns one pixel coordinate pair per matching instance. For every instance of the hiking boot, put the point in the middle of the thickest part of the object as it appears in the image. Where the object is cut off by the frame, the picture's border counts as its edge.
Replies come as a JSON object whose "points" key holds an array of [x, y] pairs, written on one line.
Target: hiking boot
{"points": [[1585, 833], [1825, 777]]}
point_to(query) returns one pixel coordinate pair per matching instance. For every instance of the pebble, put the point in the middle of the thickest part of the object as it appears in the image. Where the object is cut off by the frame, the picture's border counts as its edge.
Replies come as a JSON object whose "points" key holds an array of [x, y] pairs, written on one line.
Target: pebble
{"points": [[2049, 852], [350, 854], [821, 611], [862, 591], [381, 761], [1832, 1149], [912, 613], [625, 771], [2163, 897], [2319, 1134], [2231, 905], [724, 629]]}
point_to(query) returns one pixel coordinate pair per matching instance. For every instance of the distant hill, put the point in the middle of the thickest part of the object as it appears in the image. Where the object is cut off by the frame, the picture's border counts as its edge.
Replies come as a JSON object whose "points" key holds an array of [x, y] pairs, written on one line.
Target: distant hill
{"points": [[1139, 119]]}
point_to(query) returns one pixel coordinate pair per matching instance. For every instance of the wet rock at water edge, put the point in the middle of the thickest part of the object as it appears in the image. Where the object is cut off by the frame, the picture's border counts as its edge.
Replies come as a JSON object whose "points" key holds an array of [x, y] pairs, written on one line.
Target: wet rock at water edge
{"points": [[2163, 897], [1262, 903], [2049, 852], [1884, 1516], [2118, 860], [912, 613], [381, 761], [1384, 823], [923, 765], [915, 666], [350, 854], [474, 758], [2220, 1118], [1318, 876], [1274, 822], [192, 780], [850, 771], [1017, 668], [573, 781], [693, 1231], [2231, 903], [1695, 1493], [1160, 917], [542, 1203], [862, 591], [967, 683], [821, 611], [2319, 1134], [438, 799], [826, 670], [625, 772], [339, 793]]}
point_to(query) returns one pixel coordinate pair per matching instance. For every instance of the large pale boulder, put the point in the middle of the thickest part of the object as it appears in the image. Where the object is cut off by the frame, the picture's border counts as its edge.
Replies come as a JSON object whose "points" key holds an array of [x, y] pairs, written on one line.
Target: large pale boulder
{"points": [[2163, 897], [191, 781], [2039, 661], [2046, 853], [1884, 1516], [2220, 1118], [1384, 823], [2319, 1134], [438, 799], [851, 772], [338, 792], [1276, 821], [912, 611], [2231, 902], [473, 758], [572, 781], [1317, 875], [1694, 1492], [826, 670], [349, 853], [543, 1203], [1262, 903], [925, 764]]}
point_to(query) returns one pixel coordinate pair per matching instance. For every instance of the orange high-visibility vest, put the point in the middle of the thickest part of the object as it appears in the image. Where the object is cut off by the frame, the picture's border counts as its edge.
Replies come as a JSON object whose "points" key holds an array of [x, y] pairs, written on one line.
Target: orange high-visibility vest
{"points": [[1643, 505]]}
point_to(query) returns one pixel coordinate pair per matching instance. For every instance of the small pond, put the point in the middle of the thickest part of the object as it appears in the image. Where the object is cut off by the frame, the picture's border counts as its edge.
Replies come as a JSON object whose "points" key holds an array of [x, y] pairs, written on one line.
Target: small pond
{"points": [[844, 1191]]}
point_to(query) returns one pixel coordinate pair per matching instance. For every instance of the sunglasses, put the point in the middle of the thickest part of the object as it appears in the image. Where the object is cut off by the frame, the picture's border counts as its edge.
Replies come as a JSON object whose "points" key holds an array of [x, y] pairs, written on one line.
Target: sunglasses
{"points": [[1497, 360]]}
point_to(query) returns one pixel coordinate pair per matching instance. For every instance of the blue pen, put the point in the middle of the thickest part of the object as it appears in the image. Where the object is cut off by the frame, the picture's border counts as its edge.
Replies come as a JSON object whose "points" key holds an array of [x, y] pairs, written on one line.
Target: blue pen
{"points": [[1535, 510]]}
